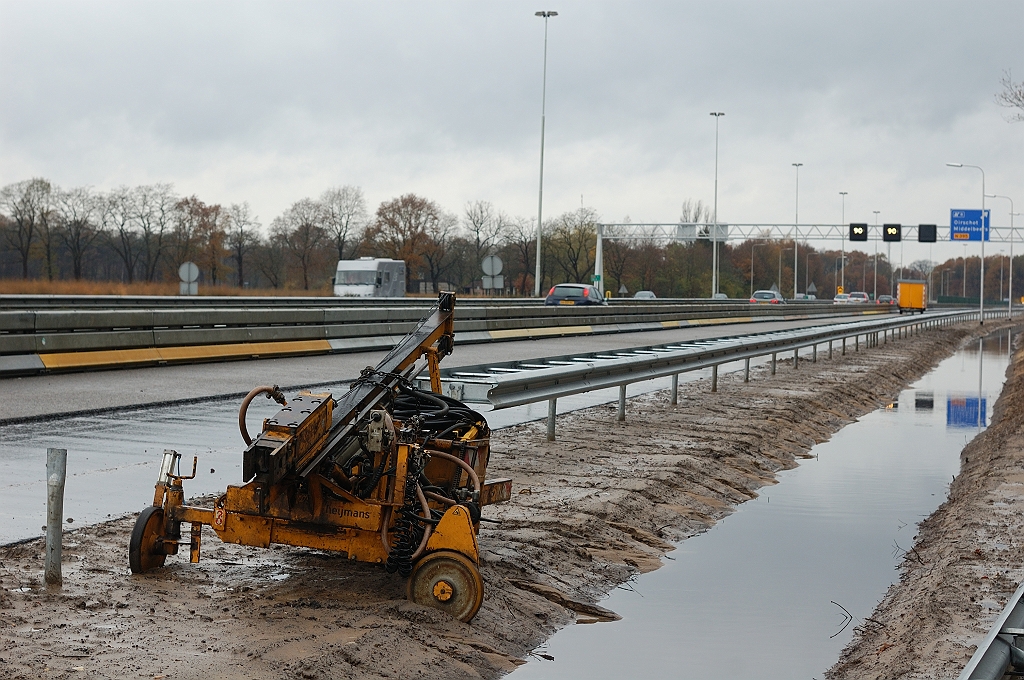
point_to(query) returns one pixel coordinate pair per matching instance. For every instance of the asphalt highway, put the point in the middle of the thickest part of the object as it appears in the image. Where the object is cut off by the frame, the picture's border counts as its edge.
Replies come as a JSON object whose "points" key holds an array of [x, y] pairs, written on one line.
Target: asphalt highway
{"points": [[48, 396]]}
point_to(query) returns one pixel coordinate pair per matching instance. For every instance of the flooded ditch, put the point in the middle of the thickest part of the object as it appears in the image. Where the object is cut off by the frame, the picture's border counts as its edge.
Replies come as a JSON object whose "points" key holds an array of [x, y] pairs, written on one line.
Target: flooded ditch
{"points": [[776, 588]]}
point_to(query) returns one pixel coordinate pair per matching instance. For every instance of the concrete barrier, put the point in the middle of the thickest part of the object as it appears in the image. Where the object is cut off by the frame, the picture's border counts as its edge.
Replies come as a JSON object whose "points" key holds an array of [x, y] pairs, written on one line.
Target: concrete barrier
{"points": [[90, 337]]}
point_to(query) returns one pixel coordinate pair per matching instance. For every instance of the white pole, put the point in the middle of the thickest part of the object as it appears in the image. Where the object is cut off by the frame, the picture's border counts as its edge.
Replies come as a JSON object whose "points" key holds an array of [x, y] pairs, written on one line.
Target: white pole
{"points": [[714, 229], [796, 229], [842, 233], [543, 109], [599, 259]]}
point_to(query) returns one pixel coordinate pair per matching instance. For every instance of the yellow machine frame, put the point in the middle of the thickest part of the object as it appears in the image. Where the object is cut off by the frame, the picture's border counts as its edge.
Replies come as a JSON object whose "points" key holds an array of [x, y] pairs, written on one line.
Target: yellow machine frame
{"points": [[315, 510]]}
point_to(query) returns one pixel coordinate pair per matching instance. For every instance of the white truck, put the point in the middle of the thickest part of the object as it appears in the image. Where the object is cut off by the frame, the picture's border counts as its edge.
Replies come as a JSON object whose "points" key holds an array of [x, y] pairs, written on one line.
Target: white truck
{"points": [[370, 277]]}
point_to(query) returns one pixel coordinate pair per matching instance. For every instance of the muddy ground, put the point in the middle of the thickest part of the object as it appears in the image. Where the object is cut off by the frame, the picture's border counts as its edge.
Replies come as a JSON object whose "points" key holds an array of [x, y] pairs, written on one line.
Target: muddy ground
{"points": [[588, 513], [967, 561]]}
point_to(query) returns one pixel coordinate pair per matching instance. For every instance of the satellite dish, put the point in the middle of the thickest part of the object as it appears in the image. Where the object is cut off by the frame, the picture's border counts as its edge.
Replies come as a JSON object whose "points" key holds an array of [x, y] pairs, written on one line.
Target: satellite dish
{"points": [[188, 272], [492, 265]]}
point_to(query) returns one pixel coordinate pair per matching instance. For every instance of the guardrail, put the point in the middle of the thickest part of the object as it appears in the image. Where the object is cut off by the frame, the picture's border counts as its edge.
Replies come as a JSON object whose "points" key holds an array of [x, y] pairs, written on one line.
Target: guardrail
{"points": [[39, 340], [999, 650], [516, 383], [36, 302]]}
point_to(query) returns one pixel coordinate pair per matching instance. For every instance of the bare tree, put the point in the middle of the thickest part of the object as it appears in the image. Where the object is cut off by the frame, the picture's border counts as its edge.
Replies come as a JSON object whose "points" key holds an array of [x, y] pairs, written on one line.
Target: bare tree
{"points": [[694, 212], [242, 236], [154, 210], [212, 236], [344, 218], [24, 203], [269, 258], [521, 241], [78, 213], [299, 231], [484, 225], [1012, 96], [117, 217]]}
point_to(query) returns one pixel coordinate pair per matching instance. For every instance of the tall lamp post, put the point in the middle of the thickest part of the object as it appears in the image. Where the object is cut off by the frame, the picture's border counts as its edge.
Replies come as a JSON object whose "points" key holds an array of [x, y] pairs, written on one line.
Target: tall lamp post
{"points": [[874, 288], [1010, 296], [842, 233], [543, 107], [981, 289], [714, 229], [796, 228]]}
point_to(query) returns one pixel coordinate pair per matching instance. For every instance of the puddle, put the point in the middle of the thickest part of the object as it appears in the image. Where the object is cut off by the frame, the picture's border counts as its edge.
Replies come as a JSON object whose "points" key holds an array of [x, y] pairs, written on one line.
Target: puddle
{"points": [[763, 593], [114, 458]]}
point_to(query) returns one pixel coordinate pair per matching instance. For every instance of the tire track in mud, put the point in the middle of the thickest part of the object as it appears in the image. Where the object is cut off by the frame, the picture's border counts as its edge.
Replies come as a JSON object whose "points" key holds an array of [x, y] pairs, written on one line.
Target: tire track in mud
{"points": [[589, 512]]}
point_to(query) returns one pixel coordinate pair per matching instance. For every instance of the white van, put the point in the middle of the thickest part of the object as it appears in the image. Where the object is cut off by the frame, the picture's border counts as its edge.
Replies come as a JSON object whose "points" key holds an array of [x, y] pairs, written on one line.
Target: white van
{"points": [[370, 277]]}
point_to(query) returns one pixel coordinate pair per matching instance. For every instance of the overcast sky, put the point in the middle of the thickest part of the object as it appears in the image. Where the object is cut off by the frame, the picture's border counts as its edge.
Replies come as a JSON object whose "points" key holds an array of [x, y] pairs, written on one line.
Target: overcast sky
{"points": [[270, 102]]}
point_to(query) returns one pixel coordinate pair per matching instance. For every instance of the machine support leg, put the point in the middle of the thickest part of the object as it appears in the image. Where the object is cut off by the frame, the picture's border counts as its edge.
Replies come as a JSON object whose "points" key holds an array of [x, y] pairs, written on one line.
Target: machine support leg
{"points": [[551, 419], [714, 378], [675, 389], [56, 471], [622, 404], [746, 370]]}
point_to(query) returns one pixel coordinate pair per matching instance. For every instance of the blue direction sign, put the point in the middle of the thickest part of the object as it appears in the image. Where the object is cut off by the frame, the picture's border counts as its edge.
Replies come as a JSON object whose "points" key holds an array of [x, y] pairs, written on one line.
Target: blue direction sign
{"points": [[965, 225]]}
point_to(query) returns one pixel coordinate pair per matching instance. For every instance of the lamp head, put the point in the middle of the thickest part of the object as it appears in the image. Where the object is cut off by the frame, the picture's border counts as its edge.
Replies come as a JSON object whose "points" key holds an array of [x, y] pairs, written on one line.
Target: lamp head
{"points": [[955, 165], [546, 14]]}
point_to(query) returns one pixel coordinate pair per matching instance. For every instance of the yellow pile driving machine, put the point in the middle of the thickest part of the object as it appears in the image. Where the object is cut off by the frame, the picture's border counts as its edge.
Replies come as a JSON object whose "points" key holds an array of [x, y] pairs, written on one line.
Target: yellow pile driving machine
{"points": [[387, 474]]}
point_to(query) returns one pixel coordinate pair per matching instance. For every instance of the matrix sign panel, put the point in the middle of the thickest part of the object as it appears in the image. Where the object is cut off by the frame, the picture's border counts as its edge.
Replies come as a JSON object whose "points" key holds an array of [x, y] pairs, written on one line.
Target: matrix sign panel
{"points": [[892, 232], [858, 232], [965, 225], [926, 233]]}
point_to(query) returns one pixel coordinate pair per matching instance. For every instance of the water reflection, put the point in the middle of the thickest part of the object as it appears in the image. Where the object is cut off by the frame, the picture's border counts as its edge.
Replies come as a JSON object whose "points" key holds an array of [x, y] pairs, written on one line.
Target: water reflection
{"points": [[762, 594]]}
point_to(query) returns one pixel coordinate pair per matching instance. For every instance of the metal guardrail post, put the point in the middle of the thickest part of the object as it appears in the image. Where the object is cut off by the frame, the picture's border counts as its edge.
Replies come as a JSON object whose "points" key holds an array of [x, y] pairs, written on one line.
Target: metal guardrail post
{"points": [[796, 358], [844, 347], [675, 389], [746, 370], [856, 343], [814, 353], [56, 472], [622, 404], [552, 403], [773, 363], [714, 378]]}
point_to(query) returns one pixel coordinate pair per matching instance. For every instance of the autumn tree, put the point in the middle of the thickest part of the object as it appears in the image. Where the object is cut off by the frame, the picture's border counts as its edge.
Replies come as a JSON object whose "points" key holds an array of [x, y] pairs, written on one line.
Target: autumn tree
{"points": [[572, 243], [400, 231]]}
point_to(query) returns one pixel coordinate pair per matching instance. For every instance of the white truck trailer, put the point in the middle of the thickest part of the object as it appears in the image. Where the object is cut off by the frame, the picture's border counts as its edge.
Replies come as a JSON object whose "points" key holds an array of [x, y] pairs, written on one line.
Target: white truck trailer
{"points": [[370, 277]]}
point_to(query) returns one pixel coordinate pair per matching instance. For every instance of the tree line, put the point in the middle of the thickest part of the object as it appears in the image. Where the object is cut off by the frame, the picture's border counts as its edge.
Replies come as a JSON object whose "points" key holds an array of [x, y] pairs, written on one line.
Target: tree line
{"points": [[143, 234]]}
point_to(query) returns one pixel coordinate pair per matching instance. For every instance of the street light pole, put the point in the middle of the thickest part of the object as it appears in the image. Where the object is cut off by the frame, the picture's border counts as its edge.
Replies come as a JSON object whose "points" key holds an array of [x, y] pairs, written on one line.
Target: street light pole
{"points": [[843, 235], [1010, 296], [981, 288], [543, 109], [796, 229], [714, 232], [874, 289]]}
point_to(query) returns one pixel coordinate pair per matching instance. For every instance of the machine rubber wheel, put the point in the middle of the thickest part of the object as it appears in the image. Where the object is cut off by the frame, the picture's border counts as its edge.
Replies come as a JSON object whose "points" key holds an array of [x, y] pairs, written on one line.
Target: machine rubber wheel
{"points": [[145, 549], [448, 581]]}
